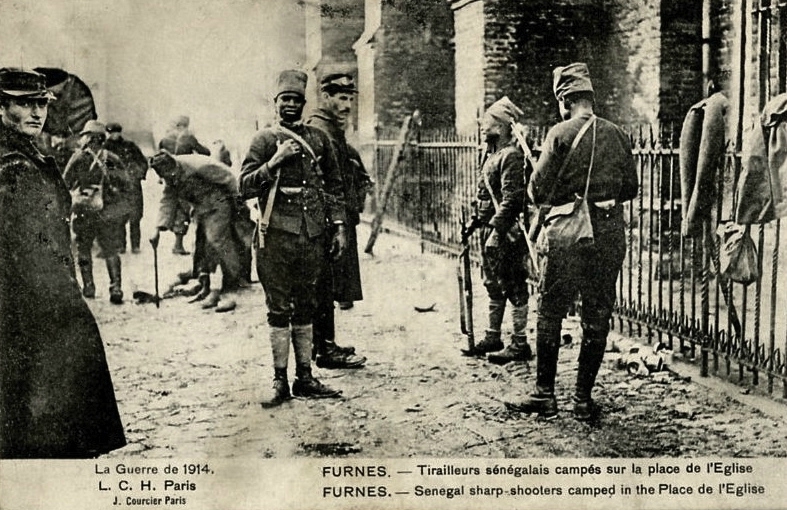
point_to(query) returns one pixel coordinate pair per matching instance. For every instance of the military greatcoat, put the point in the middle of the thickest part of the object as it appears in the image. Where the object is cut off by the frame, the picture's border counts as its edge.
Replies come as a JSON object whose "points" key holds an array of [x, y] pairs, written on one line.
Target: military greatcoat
{"points": [[56, 393]]}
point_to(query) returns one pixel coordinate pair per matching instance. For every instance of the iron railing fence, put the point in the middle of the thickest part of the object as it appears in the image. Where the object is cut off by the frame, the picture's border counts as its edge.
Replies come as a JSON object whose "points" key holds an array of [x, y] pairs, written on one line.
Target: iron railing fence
{"points": [[669, 290]]}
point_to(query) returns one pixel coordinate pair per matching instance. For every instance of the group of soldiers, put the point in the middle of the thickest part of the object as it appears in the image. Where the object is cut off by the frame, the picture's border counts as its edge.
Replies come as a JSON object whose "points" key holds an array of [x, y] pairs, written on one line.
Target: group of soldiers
{"points": [[310, 186], [586, 161]]}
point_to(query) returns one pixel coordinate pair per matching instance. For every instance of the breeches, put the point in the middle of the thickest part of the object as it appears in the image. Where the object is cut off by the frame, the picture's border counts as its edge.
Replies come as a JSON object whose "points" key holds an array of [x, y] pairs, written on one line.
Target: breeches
{"points": [[288, 267], [590, 270]]}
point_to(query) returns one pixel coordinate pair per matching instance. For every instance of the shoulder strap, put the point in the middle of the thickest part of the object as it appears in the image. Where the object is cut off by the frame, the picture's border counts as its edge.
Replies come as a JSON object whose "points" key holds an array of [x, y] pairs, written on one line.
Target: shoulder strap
{"points": [[574, 144], [298, 138], [98, 161], [590, 166]]}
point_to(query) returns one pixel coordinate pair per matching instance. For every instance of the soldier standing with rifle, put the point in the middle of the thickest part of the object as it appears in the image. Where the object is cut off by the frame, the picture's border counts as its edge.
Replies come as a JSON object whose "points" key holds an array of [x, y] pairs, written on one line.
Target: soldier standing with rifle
{"points": [[582, 156], [340, 279], [501, 197], [291, 169]]}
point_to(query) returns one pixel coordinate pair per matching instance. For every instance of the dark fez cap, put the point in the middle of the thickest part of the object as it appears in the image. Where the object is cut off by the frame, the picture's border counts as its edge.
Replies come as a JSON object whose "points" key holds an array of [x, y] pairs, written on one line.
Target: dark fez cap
{"points": [[17, 82], [292, 81], [114, 127], [338, 82], [571, 78]]}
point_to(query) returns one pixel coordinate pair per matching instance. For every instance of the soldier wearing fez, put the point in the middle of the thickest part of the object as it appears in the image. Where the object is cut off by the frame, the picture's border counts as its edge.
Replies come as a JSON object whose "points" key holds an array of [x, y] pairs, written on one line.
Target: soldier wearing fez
{"points": [[501, 198], [603, 152], [56, 394], [340, 279], [293, 166]]}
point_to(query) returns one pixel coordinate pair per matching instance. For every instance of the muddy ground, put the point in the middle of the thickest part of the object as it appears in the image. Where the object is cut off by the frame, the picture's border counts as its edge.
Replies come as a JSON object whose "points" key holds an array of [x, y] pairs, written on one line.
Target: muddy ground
{"points": [[189, 381]]}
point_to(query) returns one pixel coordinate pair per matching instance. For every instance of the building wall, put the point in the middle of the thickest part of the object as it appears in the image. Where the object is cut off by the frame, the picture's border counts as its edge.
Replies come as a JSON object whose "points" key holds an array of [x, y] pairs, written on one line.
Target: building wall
{"points": [[414, 62], [469, 47], [644, 56]]}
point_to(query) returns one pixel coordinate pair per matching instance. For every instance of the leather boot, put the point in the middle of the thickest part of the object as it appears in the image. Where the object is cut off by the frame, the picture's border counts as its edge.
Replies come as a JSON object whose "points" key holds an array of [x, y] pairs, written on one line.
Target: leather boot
{"points": [[115, 286], [86, 270], [490, 343], [178, 248], [204, 290], [518, 349], [281, 389], [212, 300], [280, 347], [330, 355], [542, 400], [305, 384], [591, 355], [134, 234]]}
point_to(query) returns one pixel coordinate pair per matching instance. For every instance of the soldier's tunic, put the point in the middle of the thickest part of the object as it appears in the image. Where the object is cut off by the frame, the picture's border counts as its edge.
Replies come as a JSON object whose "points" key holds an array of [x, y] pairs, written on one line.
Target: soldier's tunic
{"points": [[590, 270], [309, 197], [505, 276], [107, 225], [56, 394]]}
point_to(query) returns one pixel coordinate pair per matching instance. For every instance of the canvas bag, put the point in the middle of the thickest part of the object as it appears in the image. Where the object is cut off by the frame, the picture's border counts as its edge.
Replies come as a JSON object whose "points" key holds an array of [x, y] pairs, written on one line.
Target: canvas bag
{"points": [[738, 254], [569, 224], [90, 198]]}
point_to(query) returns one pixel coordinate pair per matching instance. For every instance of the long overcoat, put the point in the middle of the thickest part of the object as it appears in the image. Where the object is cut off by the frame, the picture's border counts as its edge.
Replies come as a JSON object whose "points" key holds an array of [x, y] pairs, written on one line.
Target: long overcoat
{"points": [[56, 393], [346, 270]]}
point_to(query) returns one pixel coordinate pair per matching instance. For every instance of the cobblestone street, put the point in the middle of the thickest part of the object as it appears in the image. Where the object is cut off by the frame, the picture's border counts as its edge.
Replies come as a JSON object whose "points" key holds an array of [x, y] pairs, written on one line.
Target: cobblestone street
{"points": [[189, 381]]}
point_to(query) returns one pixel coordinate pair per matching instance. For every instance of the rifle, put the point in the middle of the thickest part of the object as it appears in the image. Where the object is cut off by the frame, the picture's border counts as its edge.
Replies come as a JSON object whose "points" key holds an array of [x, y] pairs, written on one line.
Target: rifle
{"points": [[530, 235], [465, 279]]}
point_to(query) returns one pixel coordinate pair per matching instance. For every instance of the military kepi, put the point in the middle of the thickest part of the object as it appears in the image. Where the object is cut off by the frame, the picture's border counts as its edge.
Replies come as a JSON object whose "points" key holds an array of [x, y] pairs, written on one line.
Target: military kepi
{"points": [[23, 83], [291, 81], [505, 110], [571, 78], [336, 83]]}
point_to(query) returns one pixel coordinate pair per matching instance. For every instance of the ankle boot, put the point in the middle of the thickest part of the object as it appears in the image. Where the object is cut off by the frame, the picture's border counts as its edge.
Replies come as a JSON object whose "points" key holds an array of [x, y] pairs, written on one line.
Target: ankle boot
{"points": [[490, 343], [591, 355], [281, 389], [115, 285], [542, 400], [330, 355], [86, 270], [204, 289], [307, 386], [518, 350]]}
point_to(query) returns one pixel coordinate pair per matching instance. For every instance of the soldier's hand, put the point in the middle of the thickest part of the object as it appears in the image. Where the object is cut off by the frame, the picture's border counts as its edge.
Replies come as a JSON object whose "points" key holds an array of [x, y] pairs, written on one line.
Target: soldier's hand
{"points": [[155, 239], [493, 241], [285, 150], [339, 242]]}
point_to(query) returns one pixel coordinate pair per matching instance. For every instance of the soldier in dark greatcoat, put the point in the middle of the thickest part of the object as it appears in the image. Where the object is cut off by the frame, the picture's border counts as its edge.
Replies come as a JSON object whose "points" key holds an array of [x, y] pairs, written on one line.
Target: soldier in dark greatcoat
{"points": [[137, 167], [92, 165], [602, 163], [179, 140], [56, 394], [293, 166], [340, 279]]}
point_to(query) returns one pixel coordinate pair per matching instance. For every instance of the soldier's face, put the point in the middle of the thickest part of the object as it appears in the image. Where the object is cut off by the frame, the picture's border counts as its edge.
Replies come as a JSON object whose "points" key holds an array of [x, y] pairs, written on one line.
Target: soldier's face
{"points": [[339, 104], [565, 112], [289, 106], [491, 128], [25, 115]]}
